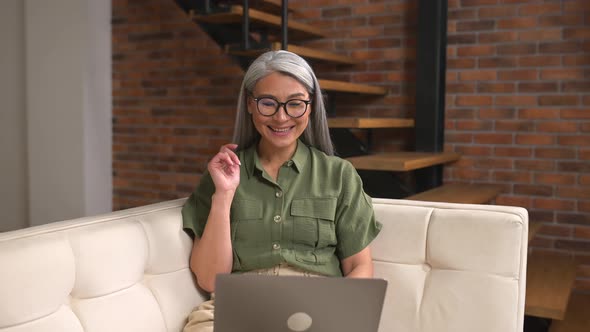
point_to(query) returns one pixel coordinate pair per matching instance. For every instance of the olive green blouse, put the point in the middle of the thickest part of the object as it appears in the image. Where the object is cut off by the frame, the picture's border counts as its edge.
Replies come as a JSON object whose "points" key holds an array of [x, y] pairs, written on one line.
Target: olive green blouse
{"points": [[314, 215]]}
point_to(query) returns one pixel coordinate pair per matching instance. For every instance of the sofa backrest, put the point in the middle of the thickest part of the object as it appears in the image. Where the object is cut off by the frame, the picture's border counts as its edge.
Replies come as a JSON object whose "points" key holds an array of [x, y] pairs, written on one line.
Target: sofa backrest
{"points": [[450, 267], [123, 271]]}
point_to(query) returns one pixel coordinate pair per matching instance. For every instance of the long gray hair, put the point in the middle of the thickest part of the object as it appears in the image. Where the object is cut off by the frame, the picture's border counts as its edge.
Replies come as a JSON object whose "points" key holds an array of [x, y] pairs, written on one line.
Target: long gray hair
{"points": [[316, 134]]}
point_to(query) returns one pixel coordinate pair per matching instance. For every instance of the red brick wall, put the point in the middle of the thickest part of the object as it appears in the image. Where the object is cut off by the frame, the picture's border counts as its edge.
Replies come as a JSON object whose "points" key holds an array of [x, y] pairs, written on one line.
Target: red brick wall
{"points": [[518, 109], [173, 101], [517, 98]]}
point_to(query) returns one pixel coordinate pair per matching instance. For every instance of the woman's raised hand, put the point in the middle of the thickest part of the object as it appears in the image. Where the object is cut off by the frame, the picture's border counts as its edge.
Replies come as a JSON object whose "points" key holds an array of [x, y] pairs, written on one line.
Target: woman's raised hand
{"points": [[224, 168]]}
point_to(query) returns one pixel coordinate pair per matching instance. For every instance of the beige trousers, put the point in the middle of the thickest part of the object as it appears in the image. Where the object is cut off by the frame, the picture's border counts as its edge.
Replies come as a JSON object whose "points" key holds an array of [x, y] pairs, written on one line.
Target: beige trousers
{"points": [[201, 318]]}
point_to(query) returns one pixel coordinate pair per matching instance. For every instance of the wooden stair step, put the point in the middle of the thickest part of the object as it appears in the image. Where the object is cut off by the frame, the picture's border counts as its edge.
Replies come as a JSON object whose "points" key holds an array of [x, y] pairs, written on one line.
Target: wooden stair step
{"points": [[276, 4], [534, 227], [270, 6], [401, 161], [305, 52], [577, 317], [339, 86], [550, 278], [370, 123], [315, 54], [468, 193], [259, 19]]}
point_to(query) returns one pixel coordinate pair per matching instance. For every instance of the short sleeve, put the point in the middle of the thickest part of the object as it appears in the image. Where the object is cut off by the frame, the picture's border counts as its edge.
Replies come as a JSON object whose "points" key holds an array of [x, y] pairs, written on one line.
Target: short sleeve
{"points": [[195, 210], [356, 226]]}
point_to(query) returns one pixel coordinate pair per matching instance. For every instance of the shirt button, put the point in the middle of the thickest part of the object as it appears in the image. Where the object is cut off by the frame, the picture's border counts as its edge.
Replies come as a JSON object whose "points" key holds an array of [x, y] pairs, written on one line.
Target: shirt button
{"points": [[290, 163], [277, 219], [279, 194], [276, 246]]}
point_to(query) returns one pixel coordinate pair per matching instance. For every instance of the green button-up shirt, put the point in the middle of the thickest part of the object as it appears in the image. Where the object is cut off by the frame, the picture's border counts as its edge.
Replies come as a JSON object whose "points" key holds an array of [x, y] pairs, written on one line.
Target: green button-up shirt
{"points": [[314, 215]]}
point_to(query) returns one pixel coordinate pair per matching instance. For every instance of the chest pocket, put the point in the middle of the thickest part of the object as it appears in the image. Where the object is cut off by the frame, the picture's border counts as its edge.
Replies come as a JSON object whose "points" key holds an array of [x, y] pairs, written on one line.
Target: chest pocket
{"points": [[313, 222], [246, 217]]}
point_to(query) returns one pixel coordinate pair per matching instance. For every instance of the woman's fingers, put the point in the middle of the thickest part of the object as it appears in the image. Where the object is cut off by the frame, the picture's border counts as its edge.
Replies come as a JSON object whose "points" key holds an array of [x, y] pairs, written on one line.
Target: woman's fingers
{"points": [[224, 168], [230, 146], [226, 158], [228, 150]]}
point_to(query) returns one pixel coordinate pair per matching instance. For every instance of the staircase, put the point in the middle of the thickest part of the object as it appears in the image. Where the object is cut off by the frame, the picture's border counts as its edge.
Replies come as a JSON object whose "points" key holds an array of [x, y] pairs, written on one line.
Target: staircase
{"points": [[382, 173], [246, 29]]}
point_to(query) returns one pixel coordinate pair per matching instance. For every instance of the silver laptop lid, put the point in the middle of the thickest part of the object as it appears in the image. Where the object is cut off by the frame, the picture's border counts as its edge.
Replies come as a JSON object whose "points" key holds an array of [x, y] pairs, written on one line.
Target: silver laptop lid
{"points": [[261, 303]]}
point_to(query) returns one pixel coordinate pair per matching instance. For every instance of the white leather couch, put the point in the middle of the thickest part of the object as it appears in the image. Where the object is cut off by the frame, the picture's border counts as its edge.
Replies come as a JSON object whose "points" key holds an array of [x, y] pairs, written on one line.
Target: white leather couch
{"points": [[456, 268]]}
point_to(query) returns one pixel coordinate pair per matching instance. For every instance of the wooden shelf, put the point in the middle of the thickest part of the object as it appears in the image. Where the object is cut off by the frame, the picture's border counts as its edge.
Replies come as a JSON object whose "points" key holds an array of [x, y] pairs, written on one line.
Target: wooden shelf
{"points": [[370, 123], [305, 52], [550, 278], [401, 161], [339, 86], [259, 19], [577, 317], [459, 193]]}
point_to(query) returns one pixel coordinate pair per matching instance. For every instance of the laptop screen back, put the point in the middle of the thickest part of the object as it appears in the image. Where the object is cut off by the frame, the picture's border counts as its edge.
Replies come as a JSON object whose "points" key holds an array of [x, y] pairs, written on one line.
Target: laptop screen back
{"points": [[261, 303]]}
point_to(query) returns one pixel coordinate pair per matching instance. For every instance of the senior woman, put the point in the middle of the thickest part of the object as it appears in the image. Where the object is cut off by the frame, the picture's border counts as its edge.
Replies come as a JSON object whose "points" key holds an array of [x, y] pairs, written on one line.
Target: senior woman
{"points": [[276, 200]]}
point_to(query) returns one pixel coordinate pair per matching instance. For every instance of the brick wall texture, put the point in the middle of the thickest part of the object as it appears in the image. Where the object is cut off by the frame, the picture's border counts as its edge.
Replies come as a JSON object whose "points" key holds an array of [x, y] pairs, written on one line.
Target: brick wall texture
{"points": [[518, 101]]}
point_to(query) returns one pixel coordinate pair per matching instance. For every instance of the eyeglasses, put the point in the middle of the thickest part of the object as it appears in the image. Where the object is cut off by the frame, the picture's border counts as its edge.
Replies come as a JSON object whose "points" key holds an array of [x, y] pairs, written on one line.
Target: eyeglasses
{"points": [[268, 106]]}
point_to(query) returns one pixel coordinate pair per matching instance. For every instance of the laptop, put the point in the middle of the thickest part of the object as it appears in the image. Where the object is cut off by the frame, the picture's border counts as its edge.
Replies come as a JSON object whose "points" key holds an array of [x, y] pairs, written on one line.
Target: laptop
{"points": [[262, 303]]}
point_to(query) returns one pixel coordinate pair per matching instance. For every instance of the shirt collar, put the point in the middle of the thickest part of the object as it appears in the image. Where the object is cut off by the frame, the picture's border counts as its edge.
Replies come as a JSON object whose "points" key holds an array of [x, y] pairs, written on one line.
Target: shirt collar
{"points": [[252, 162], [301, 156], [250, 159]]}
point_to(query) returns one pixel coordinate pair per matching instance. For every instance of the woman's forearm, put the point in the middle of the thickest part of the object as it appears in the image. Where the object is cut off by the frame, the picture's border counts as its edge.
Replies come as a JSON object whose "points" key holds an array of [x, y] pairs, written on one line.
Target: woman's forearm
{"points": [[359, 265], [212, 253], [361, 271]]}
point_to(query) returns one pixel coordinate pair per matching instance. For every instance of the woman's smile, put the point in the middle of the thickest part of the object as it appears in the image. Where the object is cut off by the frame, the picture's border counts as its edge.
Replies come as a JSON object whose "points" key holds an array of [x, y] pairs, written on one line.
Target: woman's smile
{"points": [[281, 131]]}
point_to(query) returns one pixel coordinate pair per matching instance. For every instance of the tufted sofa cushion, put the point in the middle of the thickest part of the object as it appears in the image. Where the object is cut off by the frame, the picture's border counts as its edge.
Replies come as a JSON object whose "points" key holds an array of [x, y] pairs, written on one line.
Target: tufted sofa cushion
{"points": [[123, 271], [450, 267]]}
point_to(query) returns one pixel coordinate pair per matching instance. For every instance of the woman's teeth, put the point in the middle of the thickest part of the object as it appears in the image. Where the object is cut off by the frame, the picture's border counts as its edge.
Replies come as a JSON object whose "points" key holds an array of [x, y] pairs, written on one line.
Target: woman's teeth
{"points": [[279, 130]]}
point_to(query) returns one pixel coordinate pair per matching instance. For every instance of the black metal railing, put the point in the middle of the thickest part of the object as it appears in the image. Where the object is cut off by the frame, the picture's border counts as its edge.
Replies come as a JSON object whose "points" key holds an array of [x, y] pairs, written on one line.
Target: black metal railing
{"points": [[246, 25], [284, 24], [430, 87]]}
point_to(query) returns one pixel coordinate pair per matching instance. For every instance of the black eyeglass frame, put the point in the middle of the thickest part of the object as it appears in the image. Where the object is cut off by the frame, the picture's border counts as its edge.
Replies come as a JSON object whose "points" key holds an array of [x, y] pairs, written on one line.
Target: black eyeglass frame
{"points": [[284, 105]]}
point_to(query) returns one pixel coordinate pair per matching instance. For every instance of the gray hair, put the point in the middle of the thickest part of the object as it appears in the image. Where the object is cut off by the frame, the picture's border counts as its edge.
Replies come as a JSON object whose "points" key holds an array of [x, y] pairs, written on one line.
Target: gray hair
{"points": [[317, 133]]}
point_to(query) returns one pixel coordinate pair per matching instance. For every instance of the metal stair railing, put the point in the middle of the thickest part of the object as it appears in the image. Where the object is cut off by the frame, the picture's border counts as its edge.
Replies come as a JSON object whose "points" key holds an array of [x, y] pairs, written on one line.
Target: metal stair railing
{"points": [[284, 23], [246, 25]]}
